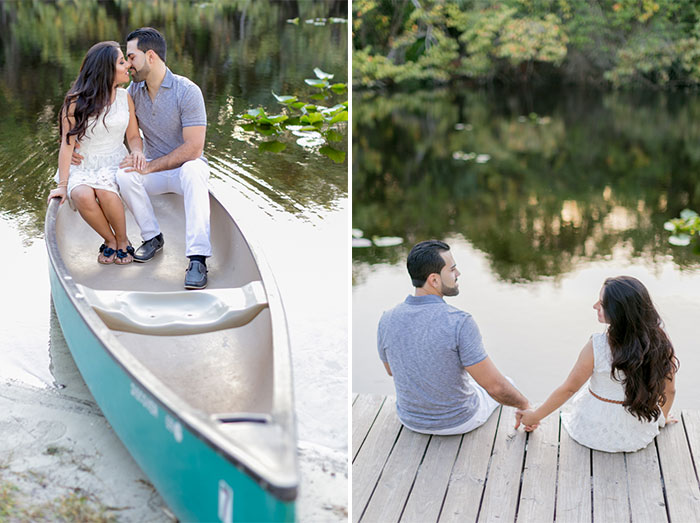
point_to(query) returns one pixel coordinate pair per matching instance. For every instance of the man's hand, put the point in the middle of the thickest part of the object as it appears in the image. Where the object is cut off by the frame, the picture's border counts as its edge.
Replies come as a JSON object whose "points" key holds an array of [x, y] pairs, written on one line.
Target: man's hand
{"points": [[527, 418], [135, 161], [76, 159]]}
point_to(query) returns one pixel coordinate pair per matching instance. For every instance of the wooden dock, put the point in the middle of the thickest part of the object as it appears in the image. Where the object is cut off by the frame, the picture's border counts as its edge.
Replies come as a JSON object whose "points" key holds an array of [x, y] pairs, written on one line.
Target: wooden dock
{"points": [[496, 473]]}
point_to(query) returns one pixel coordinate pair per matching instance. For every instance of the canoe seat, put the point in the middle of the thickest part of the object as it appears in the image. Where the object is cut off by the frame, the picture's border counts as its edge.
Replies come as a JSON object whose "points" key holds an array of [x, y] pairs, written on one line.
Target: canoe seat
{"points": [[177, 313]]}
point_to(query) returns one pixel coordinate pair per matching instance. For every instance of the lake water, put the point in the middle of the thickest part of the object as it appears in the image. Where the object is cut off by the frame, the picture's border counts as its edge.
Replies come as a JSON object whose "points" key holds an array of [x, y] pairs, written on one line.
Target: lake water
{"points": [[542, 195], [294, 205]]}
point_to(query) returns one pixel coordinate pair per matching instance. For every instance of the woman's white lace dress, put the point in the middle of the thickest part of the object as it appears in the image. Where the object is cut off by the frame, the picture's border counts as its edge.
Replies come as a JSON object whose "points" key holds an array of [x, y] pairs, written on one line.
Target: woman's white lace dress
{"points": [[102, 148], [601, 425]]}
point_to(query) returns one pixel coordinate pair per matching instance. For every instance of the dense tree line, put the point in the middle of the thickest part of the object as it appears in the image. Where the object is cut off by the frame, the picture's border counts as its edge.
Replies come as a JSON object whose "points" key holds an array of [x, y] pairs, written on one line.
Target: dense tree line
{"points": [[618, 43]]}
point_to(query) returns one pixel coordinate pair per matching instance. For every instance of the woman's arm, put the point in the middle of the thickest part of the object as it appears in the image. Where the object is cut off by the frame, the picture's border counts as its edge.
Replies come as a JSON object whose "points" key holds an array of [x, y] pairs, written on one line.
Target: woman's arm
{"points": [[64, 156], [670, 393], [583, 369], [133, 137]]}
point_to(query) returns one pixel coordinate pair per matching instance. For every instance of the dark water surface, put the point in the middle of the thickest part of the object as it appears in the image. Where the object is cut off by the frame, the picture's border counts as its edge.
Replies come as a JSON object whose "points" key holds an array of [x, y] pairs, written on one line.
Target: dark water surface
{"points": [[542, 195], [293, 205]]}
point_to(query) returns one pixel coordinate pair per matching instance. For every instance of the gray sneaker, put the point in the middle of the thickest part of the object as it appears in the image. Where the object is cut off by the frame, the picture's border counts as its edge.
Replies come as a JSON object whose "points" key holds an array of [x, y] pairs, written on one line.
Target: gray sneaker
{"points": [[149, 249], [196, 275]]}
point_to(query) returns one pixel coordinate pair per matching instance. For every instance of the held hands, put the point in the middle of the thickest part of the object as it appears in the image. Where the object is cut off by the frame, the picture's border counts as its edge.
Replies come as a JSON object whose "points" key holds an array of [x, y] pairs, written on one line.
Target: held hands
{"points": [[135, 161], [527, 418]]}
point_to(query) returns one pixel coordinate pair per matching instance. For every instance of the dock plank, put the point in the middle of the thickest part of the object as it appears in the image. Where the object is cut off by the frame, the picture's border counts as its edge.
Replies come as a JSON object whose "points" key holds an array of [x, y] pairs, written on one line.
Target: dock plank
{"points": [[370, 460], [645, 489], [497, 474], [691, 422], [573, 503], [538, 488], [432, 479], [396, 481], [679, 474], [610, 493], [364, 411], [500, 499], [469, 473]]}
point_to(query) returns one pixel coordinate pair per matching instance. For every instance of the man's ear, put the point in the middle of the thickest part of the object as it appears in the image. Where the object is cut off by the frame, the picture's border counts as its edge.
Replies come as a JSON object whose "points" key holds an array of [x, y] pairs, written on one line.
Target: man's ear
{"points": [[434, 280]]}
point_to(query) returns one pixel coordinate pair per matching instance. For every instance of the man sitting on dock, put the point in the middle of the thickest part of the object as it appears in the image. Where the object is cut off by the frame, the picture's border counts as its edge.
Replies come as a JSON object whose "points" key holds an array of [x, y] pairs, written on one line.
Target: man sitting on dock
{"points": [[431, 349]]}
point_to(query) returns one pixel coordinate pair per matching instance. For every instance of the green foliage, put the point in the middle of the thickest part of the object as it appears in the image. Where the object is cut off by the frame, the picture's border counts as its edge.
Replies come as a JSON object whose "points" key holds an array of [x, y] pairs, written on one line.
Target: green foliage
{"points": [[684, 228], [315, 125], [625, 43]]}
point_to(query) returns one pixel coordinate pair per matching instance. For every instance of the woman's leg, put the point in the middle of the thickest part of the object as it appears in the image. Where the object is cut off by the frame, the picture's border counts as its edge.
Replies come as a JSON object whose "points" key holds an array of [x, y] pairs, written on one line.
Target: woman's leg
{"points": [[113, 210], [85, 201]]}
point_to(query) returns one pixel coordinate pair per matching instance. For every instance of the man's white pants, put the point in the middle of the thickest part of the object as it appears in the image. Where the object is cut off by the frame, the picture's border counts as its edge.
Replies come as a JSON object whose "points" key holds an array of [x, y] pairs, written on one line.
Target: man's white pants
{"points": [[190, 180]]}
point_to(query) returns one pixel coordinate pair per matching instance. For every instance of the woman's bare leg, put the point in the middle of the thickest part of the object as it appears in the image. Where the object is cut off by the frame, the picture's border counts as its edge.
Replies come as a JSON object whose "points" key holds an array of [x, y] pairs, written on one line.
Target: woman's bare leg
{"points": [[83, 197], [113, 210]]}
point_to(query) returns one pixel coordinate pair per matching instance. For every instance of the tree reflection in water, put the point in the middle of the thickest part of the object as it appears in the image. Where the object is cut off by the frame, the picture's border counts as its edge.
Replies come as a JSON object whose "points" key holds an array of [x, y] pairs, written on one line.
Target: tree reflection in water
{"points": [[539, 181]]}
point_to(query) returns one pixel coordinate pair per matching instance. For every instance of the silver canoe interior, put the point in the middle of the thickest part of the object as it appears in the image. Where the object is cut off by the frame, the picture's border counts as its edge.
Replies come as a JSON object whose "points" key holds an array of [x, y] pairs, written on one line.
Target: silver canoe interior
{"points": [[212, 346]]}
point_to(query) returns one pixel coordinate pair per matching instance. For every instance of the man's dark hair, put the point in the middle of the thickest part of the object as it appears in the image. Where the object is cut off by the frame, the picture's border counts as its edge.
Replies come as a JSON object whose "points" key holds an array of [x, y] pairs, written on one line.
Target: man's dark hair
{"points": [[149, 39], [424, 260]]}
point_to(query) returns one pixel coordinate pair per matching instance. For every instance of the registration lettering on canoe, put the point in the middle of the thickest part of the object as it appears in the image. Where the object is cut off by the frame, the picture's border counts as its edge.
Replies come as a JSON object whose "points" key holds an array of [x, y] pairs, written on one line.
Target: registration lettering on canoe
{"points": [[174, 427], [225, 502], [147, 403]]}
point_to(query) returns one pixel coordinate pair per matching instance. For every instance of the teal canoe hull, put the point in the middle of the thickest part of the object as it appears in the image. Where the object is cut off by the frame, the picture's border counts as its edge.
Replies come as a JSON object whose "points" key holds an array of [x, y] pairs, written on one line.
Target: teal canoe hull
{"points": [[197, 483], [199, 473]]}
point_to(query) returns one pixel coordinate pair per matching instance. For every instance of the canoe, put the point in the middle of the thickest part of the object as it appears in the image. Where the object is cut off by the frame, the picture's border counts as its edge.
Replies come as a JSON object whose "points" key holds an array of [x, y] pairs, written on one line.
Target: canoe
{"points": [[196, 384]]}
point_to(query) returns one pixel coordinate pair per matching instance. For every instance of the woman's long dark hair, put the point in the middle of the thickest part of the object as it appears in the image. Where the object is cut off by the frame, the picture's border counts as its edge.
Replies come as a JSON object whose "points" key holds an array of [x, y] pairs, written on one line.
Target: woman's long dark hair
{"points": [[639, 346], [92, 90]]}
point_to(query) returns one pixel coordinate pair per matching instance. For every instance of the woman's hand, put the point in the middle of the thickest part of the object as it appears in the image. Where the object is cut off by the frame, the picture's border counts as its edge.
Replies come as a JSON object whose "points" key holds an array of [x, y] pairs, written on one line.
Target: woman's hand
{"points": [[527, 418], [59, 192], [135, 161], [671, 420]]}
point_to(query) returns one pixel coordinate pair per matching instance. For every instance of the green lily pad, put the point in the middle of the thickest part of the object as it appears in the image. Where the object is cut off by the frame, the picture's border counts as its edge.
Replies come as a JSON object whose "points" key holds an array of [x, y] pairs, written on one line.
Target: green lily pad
{"points": [[256, 113], [334, 154], [322, 75], [339, 88], [340, 117], [333, 136], [272, 147], [313, 82], [679, 239], [284, 98]]}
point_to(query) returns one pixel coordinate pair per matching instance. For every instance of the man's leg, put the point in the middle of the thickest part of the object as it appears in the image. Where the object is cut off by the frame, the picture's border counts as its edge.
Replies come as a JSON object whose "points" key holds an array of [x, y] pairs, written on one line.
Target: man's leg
{"points": [[134, 189], [193, 179]]}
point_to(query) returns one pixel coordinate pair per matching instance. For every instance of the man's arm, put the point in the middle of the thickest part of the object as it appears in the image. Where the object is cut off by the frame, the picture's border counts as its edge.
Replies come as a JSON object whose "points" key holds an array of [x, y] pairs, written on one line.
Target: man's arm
{"points": [[499, 388], [388, 369], [190, 150]]}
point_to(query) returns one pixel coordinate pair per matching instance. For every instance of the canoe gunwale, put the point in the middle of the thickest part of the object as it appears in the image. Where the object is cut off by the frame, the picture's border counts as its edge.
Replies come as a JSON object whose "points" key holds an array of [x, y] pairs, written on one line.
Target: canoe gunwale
{"points": [[201, 427]]}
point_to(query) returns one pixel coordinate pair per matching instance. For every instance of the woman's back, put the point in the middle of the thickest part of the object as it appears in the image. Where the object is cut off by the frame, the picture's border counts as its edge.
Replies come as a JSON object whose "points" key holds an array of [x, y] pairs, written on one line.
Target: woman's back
{"points": [[596, 417]]}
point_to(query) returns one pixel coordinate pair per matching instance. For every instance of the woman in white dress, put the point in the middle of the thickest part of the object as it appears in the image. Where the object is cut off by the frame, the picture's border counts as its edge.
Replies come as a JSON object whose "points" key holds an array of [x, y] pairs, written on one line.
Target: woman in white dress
{"points": [[632, 369], [97, 114]]}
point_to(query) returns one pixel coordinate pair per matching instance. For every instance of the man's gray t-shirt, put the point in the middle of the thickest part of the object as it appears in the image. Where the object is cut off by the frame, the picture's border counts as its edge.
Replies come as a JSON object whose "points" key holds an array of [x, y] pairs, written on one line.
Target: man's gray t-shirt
{"points": [[427, 344], [179, 103]]}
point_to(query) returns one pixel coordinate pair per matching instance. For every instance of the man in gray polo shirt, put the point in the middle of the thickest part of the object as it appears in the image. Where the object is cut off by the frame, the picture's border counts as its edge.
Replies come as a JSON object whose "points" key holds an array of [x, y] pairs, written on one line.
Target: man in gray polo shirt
{"points": [[445, 382], [171, 115]]}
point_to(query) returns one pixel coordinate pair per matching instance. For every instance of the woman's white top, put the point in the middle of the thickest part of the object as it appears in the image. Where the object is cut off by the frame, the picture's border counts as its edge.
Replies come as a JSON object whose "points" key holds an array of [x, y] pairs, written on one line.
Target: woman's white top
{"points": [[601, 425], [102, 147]]}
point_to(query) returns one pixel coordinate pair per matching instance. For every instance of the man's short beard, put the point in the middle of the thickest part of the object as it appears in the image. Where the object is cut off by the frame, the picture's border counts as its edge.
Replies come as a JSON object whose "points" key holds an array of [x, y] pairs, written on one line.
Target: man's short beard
{"points": [[449, 291]]}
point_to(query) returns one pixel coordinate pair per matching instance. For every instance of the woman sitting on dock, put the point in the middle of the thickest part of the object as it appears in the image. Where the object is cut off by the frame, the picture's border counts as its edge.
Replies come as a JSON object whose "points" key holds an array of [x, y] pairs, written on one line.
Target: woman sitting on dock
{"points": [[97, 114], [632, 369]]}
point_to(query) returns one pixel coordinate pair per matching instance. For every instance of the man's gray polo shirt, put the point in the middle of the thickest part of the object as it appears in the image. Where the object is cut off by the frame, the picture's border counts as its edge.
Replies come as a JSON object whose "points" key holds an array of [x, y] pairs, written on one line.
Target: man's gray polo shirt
{"points": [[179, 103], [427, 344]]}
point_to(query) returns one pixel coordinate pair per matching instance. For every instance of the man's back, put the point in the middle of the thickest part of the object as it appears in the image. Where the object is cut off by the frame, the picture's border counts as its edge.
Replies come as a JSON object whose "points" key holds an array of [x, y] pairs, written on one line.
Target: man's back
{"points": [[427, 343]]}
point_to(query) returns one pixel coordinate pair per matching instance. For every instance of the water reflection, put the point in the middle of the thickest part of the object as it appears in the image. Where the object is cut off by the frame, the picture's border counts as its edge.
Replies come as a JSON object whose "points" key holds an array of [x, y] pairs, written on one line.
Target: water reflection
{"points": [[540, 182]]}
